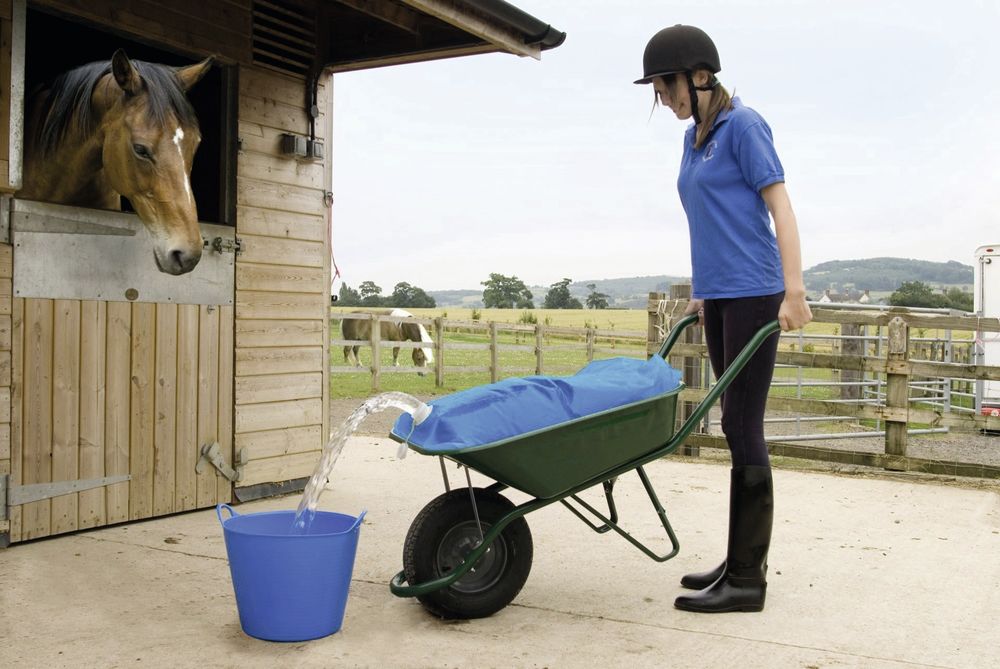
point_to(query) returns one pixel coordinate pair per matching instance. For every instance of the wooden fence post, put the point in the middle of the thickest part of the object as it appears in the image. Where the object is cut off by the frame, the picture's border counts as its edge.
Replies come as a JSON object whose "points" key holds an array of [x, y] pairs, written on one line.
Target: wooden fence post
{"points": [[439, 352], [539, 345], [851, 347], [690, 366], [897, 394], [494, 357], [653, 323], [376, 338], [591, 339]]}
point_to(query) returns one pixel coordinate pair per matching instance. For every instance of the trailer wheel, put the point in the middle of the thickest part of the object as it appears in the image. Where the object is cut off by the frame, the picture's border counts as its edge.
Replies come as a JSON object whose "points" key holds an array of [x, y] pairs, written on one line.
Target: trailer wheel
{"points": [[445, 532]]}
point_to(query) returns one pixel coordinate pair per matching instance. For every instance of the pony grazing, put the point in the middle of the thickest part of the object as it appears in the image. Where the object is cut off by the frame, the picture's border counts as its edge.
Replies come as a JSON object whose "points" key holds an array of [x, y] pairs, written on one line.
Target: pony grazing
{"points": [[356, 329], [121, 128]]}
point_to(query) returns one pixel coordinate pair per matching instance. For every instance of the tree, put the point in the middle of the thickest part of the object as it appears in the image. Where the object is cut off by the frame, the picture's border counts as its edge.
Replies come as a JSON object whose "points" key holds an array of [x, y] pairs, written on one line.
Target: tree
{"points": [[405, 295], [959, 299], [916, 294], [558, 296], [506, 292], [371, 294], [348, 297], [596, 300]]}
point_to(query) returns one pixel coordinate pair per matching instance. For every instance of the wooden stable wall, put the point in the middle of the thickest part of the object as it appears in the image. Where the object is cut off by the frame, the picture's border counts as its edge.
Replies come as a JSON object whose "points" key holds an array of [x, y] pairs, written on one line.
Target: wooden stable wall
{"points": [[253, 376], [282, 284]]}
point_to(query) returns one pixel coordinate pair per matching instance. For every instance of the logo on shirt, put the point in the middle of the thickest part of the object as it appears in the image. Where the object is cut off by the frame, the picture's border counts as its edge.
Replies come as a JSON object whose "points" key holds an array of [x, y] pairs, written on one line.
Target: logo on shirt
{"points": [[709, 151]]}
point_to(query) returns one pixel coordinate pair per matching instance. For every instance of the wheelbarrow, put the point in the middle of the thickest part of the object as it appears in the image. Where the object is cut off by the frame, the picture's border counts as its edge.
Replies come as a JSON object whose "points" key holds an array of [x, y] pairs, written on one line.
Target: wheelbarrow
{"points": [[468, 552]]}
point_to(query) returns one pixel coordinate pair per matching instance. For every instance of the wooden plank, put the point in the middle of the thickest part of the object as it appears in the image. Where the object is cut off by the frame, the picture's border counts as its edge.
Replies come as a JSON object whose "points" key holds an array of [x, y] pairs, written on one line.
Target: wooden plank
{"points": [[278, 387], [5, 443], [280, 197], [282, 224], [6, 261], [165, 401], [208, 398], [273, 113], [17, 405], [280, 469], [275, 415], [65, 410], [294, 306], [277, 251], [226, 427], [278, 443], [281, 278], [93, 357], [5, 368], [278, 360], [280, 169], [142, 410], [6, 295], [37, 455], [185, 496], [278, 86], [118, 407], [5, 333], [267, 333]]}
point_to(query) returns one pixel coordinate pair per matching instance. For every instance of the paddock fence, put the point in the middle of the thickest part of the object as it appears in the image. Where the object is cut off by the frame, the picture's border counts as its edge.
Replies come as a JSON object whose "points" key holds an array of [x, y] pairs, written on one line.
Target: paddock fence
{"points": [[865, 386], [877, 375], [504, 347]]}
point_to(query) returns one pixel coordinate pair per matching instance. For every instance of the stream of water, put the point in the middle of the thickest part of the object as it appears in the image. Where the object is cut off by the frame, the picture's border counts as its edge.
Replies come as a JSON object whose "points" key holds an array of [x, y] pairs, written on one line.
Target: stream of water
{"points": [[338, 437]]}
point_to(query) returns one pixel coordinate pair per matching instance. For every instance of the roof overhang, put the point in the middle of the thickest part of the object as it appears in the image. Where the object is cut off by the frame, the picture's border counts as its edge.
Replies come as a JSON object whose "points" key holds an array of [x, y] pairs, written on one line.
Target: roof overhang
{"points": [[362, 34]]}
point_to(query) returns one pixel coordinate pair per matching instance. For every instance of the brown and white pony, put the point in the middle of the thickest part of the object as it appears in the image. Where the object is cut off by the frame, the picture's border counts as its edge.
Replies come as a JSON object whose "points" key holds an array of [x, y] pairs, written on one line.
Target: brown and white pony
{"points": [[121, 128], [356, 329]]}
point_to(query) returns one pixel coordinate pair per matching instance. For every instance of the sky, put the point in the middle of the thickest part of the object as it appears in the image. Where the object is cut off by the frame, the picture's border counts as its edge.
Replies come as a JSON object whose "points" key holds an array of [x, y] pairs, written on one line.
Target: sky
{"points": [[884, 116]]}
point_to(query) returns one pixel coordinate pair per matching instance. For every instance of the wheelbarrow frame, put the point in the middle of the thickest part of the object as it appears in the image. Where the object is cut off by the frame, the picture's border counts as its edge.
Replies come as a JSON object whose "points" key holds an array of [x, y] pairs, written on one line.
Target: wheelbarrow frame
{"points": [[398, 584]]}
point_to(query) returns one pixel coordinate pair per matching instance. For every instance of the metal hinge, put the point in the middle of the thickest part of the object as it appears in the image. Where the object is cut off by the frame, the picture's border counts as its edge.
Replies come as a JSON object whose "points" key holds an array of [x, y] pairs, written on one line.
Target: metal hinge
{"points": [[212, 454], [220, 245], [36, 492]]}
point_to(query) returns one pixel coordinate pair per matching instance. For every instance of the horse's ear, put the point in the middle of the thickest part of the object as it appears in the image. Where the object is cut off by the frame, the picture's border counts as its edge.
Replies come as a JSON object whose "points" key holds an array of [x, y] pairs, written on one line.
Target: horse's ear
{"points": [[192, 74], [125, 73]]}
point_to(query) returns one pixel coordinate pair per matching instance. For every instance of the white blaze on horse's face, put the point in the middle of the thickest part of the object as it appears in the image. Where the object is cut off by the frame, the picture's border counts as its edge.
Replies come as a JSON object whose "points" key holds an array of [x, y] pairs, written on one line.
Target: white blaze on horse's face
{"points": [[178, 136]]}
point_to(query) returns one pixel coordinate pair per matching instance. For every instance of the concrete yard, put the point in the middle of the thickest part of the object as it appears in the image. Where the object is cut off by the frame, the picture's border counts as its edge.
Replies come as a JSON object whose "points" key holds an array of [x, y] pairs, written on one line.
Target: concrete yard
{"points": [[865, 571]]}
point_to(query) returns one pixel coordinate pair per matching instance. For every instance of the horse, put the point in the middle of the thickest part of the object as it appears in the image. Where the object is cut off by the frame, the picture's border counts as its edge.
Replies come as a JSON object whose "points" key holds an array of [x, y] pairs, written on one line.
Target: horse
{"points": [[121, 128], [355, 329]]}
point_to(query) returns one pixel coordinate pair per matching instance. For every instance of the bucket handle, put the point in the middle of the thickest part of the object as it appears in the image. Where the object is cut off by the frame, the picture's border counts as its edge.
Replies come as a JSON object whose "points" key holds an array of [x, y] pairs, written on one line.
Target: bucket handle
{"points": [[218, 512], [357, 522]]}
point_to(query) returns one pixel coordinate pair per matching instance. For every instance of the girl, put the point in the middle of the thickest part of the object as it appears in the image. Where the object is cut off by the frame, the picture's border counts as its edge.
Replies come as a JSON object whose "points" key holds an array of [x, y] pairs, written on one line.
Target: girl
{"points": [[731, 184]]}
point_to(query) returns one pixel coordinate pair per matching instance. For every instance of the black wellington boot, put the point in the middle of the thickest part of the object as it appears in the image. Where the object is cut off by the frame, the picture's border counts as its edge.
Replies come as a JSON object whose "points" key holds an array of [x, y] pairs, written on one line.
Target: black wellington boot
{"points": [[751, 512], [702, 579]]}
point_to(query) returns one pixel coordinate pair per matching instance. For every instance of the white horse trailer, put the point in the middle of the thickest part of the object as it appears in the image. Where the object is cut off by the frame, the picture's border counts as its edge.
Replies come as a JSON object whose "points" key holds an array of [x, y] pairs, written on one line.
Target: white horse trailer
{"points": [[987, 305]]}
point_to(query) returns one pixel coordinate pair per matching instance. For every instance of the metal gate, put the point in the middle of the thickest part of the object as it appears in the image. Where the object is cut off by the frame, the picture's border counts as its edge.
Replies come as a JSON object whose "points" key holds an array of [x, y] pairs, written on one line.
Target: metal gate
{"points": [[122, 377]]}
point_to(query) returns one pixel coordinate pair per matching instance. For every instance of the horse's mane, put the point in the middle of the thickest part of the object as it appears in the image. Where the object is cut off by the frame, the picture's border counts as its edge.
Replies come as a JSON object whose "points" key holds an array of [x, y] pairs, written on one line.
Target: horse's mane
{"points": [[68, 100]]}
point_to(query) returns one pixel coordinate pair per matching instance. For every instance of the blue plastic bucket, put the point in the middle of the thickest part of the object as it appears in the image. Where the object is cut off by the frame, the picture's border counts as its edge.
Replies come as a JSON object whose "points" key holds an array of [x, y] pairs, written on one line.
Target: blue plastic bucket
{"points": [[290, 587]]}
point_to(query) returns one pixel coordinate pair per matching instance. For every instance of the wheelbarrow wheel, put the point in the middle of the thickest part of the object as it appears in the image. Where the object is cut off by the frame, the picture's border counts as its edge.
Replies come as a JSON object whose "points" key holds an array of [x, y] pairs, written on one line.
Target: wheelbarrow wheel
{"points": [[445, 532]]}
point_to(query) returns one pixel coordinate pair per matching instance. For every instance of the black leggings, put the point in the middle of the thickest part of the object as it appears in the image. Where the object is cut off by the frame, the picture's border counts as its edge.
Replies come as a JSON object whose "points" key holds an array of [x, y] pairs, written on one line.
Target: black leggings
{"points": [[729, 324]]}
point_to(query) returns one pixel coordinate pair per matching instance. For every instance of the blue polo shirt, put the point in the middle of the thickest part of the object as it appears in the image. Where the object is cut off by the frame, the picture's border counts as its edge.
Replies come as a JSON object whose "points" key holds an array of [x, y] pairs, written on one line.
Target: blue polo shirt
{"points": [[734, 252]]}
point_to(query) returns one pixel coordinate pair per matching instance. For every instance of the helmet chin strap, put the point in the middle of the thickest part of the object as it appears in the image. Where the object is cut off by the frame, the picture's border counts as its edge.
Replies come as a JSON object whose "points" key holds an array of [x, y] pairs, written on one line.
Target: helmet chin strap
{"points": [[693, 92]]}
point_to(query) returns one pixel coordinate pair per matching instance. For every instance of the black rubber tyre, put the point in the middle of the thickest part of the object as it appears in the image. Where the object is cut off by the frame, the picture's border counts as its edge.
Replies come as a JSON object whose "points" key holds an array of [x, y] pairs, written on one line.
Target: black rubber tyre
{"points": [[445, 531]]}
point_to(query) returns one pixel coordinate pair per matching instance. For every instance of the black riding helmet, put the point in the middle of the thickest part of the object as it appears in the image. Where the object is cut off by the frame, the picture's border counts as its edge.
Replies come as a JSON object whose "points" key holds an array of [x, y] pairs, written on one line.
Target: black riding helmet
{"points": [[678, 49]]}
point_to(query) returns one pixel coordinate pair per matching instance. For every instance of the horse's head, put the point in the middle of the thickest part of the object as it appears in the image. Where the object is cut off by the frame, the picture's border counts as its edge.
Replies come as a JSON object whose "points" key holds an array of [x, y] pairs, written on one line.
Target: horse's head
{"points": [[150, 138]]}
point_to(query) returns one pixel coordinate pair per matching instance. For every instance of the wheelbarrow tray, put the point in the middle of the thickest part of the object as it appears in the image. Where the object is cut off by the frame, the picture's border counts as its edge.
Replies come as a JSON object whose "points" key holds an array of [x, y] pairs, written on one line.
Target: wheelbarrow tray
{"points": [[548, 462]]}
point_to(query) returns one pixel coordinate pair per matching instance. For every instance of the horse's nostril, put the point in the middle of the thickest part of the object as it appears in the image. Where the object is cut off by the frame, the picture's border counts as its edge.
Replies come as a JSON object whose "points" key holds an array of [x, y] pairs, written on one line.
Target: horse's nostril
{"points": [[183, 261]]}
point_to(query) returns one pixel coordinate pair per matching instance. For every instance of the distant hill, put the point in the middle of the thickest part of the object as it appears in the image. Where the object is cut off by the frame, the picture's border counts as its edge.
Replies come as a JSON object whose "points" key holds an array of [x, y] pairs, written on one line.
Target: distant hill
{"points": [[874, 274], [885, 274]]}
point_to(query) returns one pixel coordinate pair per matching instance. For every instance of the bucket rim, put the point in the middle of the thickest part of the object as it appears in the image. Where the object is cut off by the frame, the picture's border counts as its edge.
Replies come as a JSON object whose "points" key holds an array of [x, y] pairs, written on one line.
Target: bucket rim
{"points": [[355, 523]]}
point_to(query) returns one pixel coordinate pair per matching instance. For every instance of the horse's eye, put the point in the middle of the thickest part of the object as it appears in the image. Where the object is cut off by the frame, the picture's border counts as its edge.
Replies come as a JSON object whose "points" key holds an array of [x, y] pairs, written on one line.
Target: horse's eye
{"points": [[142, 151]]}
